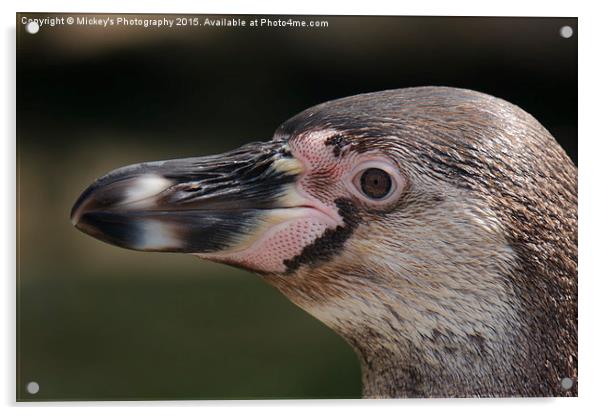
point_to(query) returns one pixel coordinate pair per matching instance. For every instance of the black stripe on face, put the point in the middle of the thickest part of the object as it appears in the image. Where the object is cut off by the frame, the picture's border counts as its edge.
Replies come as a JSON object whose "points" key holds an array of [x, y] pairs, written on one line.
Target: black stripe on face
{"points": [[338, 142], [331, 242]]}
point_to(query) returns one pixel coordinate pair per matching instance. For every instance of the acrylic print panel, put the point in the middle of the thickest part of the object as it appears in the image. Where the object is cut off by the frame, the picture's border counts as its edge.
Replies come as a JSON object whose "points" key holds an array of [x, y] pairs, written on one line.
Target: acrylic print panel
{"points": [[419, 242]]}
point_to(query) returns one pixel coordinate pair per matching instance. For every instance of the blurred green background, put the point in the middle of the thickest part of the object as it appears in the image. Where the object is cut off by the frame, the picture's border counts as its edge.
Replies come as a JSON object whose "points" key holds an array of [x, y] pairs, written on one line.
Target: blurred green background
{"points": [[98, 322]]}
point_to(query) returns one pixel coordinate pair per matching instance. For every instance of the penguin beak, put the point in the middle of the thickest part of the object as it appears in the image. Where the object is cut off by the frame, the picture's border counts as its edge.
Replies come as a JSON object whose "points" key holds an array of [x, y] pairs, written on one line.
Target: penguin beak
{"points": [[192, 205]]}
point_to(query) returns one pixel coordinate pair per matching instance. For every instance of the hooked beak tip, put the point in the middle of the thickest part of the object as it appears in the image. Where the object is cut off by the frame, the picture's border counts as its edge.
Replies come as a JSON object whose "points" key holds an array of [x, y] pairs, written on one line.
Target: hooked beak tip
{"points": [[76, 210], [105, 194]]}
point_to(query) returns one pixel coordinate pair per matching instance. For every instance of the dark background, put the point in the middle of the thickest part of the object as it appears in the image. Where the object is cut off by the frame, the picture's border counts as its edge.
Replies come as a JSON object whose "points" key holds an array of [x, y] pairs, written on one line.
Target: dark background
{"points": [[97, 322]]}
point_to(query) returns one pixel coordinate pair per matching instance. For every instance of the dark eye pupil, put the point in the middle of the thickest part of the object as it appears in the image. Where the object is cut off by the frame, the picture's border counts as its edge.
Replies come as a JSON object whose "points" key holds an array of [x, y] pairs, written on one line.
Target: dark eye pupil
{"points": [[376, 183]]}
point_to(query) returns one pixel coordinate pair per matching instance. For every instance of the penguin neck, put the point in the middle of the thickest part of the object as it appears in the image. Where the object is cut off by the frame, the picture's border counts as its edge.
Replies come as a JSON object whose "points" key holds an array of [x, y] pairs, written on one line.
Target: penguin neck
{"points": [[396, 368], [424, 349], [415, 342]]}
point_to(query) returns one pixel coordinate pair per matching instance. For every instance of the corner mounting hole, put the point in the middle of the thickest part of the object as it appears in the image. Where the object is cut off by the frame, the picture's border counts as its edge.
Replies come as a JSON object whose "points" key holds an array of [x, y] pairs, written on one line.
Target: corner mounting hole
{"points": [[566, 32], [33, 388], [32, 27], [566, 383]]}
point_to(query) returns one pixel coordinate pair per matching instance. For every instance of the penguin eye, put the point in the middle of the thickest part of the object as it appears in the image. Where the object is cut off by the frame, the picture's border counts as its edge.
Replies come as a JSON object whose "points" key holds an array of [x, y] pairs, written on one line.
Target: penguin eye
{"points": [[375, 183]]}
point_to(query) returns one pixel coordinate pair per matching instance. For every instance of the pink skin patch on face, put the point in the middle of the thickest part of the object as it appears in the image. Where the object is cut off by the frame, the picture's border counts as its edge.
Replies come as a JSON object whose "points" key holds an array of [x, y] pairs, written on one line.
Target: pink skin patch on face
{"points": [[287, 231], [323, 180], [279, 242], [287, 241], [334, 172]]}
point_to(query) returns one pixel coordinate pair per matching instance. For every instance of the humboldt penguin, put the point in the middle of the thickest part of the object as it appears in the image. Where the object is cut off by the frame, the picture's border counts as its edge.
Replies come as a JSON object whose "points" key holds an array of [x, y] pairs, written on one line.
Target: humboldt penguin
{"points": [[433, 228]]}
